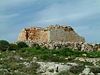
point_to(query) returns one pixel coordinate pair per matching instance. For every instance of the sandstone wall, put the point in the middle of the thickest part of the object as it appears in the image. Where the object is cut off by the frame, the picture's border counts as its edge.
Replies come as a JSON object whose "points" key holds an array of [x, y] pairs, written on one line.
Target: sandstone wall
{"points": [[57, 35], [33, 34], [50, 34], [74, 37], [44, 36], [64, 36]]}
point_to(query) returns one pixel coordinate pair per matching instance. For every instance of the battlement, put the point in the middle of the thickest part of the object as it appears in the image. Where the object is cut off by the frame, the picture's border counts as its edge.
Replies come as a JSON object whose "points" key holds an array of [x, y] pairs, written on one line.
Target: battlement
{"points": [[54, 27]]}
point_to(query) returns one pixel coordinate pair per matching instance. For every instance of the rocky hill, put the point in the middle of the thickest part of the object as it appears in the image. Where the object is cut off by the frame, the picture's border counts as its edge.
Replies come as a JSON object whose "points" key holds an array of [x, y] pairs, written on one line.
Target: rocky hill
{"points": [[54, 37]]}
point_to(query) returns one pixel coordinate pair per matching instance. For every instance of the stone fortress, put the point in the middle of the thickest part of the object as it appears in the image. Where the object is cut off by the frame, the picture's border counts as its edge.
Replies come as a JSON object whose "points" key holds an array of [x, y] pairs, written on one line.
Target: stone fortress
{"points": [[54, 37], [50, 34]]}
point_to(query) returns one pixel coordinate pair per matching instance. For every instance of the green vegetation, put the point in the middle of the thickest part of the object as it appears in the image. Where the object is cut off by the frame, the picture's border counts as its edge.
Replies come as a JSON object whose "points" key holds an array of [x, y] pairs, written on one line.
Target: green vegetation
{"points": [[4, 45], [13, 47], [11, 63], [22, 45], [15, 58], [15, 67], [77, 69], [66, 73], [58, 55], [95, 70], [46, 54]]}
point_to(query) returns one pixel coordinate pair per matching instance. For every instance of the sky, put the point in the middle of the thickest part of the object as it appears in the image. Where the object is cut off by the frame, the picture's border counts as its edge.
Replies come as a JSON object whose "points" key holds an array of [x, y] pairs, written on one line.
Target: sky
{"points": [[82, 15]]}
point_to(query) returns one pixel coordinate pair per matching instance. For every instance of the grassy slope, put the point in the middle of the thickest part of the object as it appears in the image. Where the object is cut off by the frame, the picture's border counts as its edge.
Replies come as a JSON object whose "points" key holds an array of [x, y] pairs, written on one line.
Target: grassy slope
{"points": [[11, 60]]}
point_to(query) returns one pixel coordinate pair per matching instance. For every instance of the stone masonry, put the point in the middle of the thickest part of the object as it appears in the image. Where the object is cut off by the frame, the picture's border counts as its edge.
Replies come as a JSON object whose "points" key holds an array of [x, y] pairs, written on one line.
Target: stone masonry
{"points": [[50, 34]]}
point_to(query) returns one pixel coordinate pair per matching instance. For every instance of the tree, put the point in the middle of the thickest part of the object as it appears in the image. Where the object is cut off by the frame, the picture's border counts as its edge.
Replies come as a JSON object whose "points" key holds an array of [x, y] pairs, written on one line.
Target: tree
{"points": [[22, 45], [4, 45]]}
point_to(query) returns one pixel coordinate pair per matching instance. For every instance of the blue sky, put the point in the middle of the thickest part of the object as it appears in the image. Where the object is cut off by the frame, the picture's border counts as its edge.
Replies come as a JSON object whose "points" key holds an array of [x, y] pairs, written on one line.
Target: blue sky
{"points": [[82, 15]]}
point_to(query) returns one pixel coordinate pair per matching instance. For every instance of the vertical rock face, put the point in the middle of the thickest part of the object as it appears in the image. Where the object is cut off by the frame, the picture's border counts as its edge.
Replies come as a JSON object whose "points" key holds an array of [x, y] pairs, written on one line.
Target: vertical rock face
{"points": [[50, 34]]}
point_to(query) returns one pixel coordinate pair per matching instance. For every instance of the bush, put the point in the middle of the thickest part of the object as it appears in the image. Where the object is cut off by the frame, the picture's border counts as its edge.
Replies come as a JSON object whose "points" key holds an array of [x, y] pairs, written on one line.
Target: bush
{"points": [[13, 47], [65, 73], [22, 45], [35, 45], [4, 45], [95, 69], [77, 69]]}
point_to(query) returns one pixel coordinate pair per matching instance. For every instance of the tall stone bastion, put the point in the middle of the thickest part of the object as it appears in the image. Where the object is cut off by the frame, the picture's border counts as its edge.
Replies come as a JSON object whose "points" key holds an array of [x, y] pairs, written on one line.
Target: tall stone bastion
{"points": [[52, 33]]}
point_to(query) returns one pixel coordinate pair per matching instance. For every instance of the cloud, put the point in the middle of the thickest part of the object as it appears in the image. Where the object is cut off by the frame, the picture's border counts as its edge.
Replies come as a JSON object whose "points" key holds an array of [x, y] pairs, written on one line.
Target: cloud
{"points": [[83, 15], [59, 12]]}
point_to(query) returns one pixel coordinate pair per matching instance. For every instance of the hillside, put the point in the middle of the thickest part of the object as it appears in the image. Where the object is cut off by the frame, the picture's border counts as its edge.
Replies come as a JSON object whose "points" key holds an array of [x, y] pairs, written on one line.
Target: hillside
{"points": [[43, 61]]}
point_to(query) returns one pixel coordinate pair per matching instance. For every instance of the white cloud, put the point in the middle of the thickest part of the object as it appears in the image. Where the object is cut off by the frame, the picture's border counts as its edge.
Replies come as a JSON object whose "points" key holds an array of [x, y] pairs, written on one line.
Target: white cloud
{"points": [[60, 12], [13, 12]]}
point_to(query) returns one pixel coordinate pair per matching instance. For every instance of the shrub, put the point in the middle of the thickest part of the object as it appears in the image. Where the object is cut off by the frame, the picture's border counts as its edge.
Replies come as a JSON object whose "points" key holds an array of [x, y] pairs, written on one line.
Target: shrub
{"points": [[77, 69], [95, 69], [35, 45], [88, 63], [13, 47], [51, 70], [4, 45], [4, 72], [31, 70], [22, 45], [65, 73]]}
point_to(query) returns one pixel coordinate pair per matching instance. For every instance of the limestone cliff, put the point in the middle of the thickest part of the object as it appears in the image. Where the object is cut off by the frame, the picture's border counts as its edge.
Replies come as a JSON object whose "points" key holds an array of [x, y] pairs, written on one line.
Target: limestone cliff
{"points": [[50, 34]]}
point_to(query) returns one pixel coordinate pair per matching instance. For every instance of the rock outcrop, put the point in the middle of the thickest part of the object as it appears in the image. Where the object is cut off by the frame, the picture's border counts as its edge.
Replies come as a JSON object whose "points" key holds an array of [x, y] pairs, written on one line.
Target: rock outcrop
{"points": [[50, 34]]}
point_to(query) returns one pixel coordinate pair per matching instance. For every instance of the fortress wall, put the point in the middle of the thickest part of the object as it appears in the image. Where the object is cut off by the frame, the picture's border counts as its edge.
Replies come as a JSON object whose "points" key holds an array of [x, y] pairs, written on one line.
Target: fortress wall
{"points": [[57, 35], [64, 36], [74, 37], [44, 36], [51, 34], [34, 34]]}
